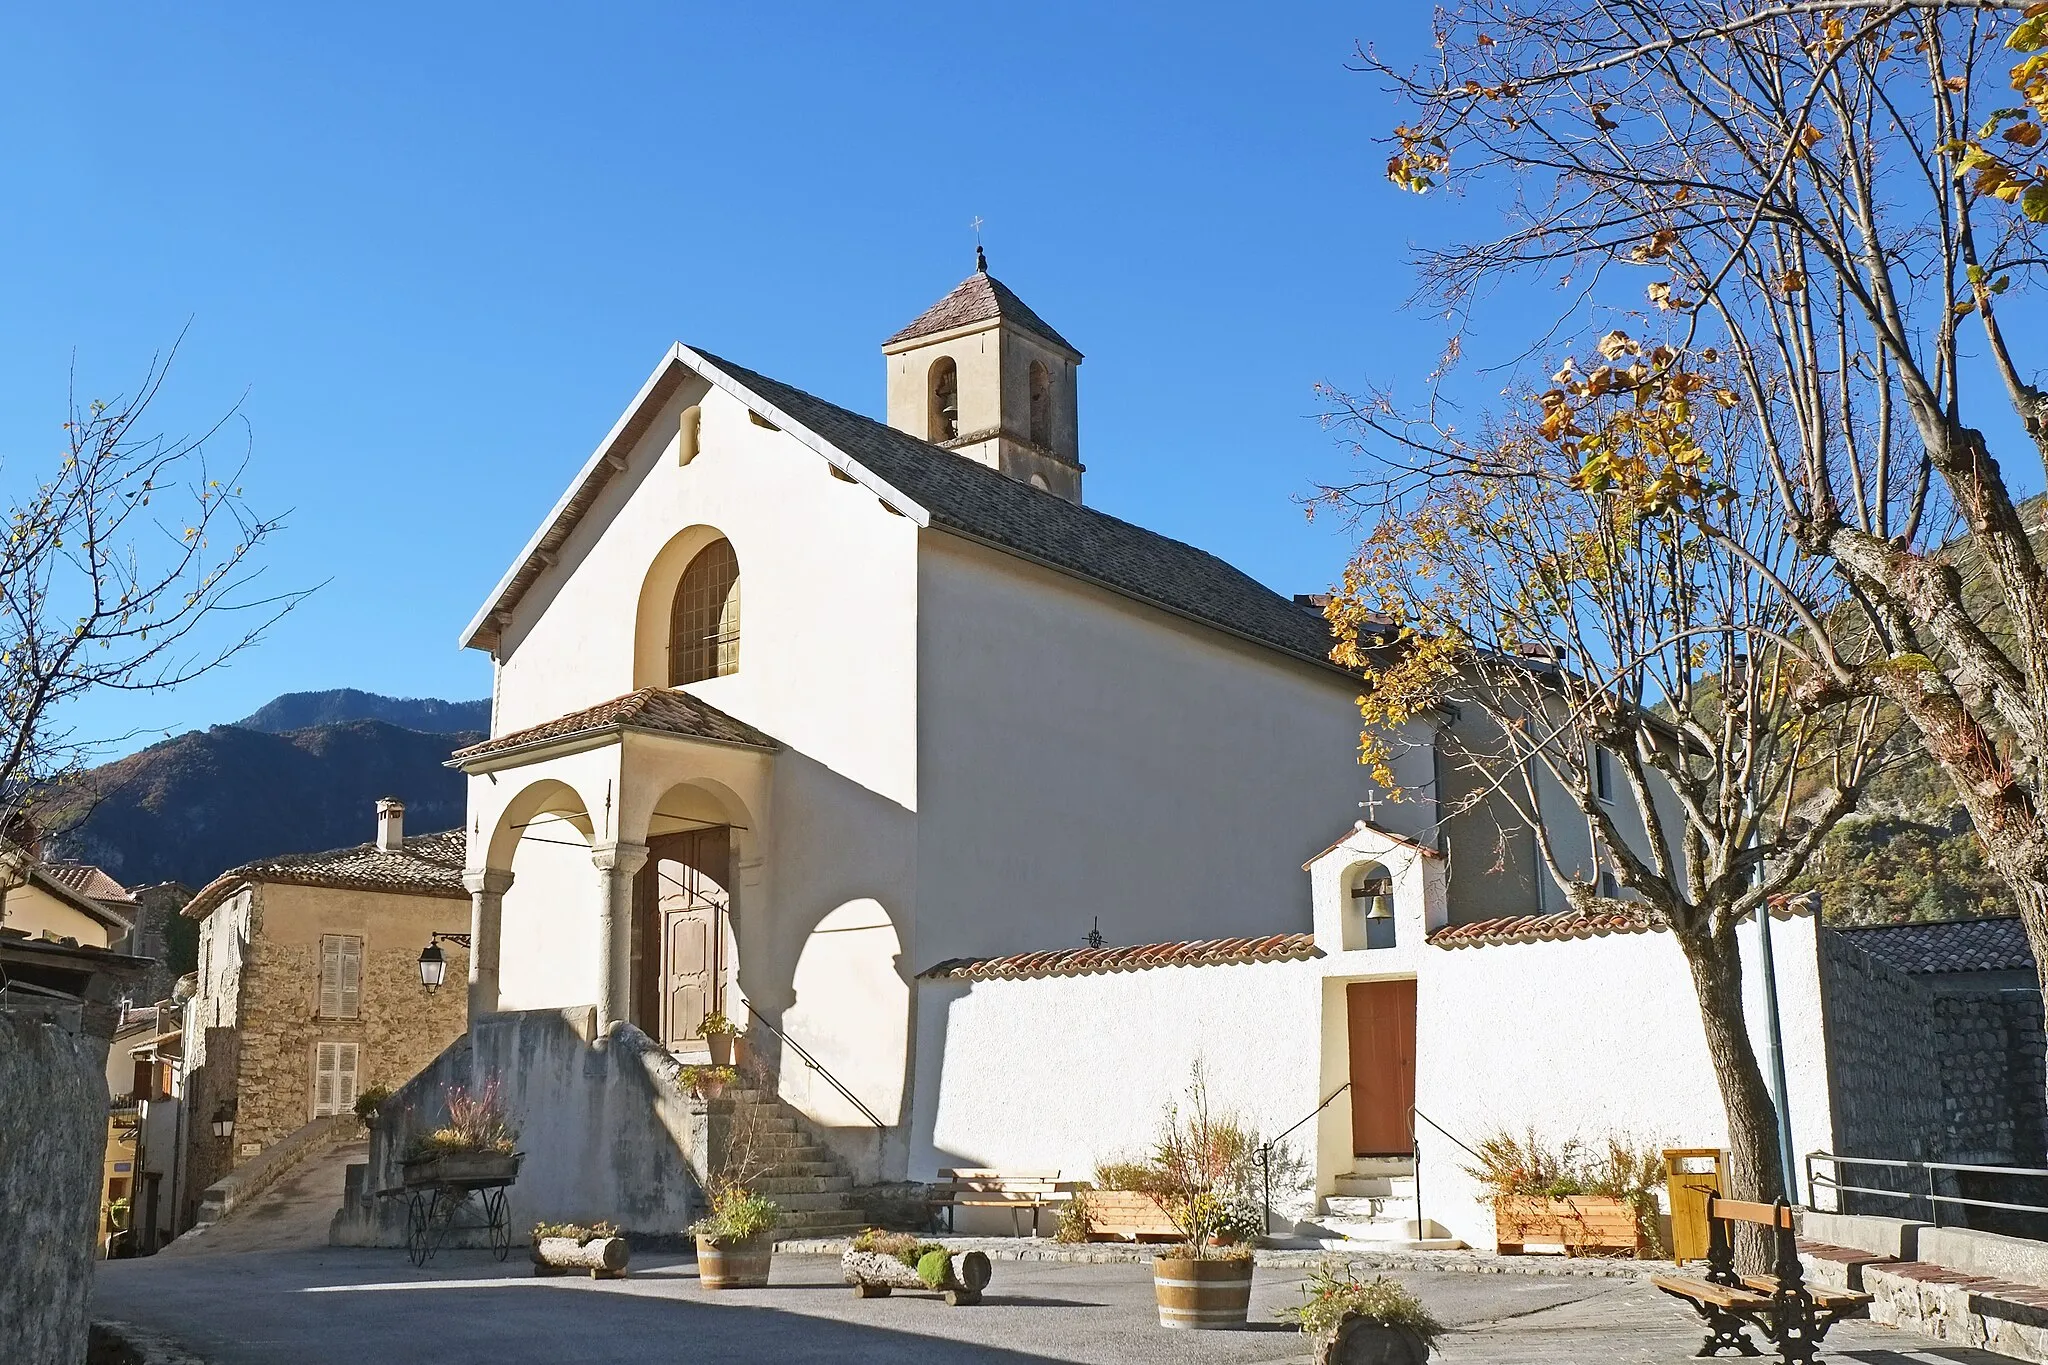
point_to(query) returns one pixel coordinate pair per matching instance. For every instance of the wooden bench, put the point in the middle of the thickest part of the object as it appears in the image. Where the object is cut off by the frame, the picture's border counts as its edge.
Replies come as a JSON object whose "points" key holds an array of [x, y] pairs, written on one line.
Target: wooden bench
{"points": [[1012, 1190], [1794, 1317]]}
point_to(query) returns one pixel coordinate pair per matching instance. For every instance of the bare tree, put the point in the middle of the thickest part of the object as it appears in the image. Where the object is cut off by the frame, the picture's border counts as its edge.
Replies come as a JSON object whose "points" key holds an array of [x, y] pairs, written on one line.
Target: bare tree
{"points": [[1600, 587], [1836, 195], [128, 566]]}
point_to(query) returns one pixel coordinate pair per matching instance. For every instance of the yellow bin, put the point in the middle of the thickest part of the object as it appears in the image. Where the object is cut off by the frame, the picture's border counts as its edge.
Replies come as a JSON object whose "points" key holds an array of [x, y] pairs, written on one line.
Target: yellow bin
{"points": [[1689, 1174]]}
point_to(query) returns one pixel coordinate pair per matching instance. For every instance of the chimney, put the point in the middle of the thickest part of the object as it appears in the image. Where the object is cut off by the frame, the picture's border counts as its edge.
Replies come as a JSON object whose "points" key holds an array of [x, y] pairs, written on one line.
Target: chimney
{"points": [[390, 824]]}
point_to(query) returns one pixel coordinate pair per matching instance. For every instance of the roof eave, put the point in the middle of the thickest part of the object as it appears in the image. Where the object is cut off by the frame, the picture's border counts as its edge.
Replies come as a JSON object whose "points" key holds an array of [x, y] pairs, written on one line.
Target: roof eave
{"points": [[518, 755]]}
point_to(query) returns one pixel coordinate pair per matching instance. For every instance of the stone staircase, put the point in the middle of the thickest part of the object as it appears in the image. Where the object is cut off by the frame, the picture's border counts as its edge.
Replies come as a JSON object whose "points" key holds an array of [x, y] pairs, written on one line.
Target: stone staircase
{"points": [[812, 1187], [1374, 1207]]}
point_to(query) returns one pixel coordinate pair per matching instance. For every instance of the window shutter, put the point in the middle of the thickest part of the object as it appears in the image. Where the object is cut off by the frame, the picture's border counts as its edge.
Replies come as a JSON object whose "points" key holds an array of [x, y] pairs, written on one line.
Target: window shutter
{"points": [[345, 1077], [351, 979], [323, 1079], [330, 975]]}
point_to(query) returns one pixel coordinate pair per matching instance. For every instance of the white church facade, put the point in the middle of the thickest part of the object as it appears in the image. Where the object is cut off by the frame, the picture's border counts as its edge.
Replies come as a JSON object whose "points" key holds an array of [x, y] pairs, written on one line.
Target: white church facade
{"points": [[856, 731]]}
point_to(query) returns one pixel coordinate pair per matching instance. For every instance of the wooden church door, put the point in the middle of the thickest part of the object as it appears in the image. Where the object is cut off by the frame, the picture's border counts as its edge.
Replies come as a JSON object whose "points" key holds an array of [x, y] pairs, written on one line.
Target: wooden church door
{"points": [[1382, 1036], [681, 932]]}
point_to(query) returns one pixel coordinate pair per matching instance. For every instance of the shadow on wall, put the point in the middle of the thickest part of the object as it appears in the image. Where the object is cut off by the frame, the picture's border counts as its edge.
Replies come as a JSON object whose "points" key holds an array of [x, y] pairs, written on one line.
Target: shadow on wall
{"points": [[605, 1130]]}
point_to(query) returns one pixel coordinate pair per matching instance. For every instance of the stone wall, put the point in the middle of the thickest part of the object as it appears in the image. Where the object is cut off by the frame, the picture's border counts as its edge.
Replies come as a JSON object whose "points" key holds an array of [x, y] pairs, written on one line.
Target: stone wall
{"points": [[606, 1131], [53, 1128], [1992, 1071], [1884, 1061]]}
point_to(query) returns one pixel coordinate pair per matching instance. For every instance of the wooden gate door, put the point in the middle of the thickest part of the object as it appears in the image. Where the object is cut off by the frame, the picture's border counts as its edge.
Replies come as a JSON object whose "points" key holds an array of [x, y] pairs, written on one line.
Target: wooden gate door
{"points": [[680, 947], [1382, 1029]]}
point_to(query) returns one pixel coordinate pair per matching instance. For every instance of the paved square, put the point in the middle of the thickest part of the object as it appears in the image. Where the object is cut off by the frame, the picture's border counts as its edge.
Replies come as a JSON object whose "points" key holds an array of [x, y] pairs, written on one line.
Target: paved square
{"points": [[354, 1307]]}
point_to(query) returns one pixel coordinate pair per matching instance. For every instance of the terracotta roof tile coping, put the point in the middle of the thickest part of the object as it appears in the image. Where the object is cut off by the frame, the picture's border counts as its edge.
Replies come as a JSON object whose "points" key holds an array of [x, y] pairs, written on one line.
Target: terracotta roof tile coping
{"points": [[656, 710], [424, 865], [89, 880], [1211, 952], [1565, 925], [1365, 826]]}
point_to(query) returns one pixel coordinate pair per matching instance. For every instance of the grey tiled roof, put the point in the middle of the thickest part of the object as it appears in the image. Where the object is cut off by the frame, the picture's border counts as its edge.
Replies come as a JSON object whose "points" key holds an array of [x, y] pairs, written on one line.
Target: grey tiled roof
{"points": [[981, 297], [1964, 945], [425, 865], [651, 708], [978, 502]]}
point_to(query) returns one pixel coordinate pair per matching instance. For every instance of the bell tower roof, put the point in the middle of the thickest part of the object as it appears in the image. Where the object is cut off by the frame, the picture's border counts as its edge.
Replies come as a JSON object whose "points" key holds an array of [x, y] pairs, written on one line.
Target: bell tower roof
{"points": [[980, 298]]}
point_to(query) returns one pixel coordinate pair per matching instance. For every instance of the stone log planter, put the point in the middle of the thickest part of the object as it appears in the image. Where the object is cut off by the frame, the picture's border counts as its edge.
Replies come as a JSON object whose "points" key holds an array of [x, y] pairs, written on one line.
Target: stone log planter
{"points": [[1364, 1341], [723, 1264], [1202, 1294], [873, 1274], [1583, 1224], [603, 1257]]}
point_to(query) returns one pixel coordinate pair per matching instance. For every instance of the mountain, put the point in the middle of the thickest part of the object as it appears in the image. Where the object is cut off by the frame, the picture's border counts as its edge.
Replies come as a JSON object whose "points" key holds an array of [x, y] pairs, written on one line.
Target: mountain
{"points": [[194, 806], [303, 710]]}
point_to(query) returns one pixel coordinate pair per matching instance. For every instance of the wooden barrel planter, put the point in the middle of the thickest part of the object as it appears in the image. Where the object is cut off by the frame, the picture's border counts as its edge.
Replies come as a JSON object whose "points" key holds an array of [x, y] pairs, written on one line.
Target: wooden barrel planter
{"points": [[735, 1265], [873, 1274], [603, 1257], [1202, 1294]]}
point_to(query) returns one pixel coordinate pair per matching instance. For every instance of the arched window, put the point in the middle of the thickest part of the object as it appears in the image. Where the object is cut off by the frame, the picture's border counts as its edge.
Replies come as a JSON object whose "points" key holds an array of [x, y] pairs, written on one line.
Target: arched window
{"points": [[1041, 405], [1369, 908], [704, 625], [945, 407]]}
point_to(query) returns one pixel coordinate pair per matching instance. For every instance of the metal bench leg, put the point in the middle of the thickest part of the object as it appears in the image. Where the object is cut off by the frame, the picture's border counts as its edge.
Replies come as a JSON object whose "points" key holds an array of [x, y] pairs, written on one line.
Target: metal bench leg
{"points": [[1725, 1332]]}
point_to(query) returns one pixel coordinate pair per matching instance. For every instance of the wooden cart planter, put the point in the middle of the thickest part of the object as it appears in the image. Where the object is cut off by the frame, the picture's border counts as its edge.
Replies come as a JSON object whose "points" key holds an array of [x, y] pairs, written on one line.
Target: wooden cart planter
{"points": [[873, 1274], [1127, 1215], [604, 1258], [438, 1188], [1583, 1224]]}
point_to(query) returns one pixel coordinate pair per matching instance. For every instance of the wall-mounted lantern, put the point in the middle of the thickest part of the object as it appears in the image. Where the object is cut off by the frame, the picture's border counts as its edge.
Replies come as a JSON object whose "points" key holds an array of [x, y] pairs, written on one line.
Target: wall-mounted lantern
{"points": [[224, 1121], [434, 962]]}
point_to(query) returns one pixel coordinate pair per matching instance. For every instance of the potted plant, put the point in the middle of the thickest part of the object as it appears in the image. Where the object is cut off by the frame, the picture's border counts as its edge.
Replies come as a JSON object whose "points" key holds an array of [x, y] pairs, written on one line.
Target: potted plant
{"points": [[718, 1035], [476, 1144], [736, 1240], [1199, 1164], [707, 1082], [1363, 1322], [1570, 1196], [369, 1102]]}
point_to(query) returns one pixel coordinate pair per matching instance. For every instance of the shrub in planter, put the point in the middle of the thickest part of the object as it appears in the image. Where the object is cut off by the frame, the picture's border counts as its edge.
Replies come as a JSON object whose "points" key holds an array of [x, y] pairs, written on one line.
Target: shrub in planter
{"points": [[706, 1082], [1579, 1197], [736, 1241], [369, 1102], [718, 1033], [1199, 1164], [1363, 1322], [876, 1263]]}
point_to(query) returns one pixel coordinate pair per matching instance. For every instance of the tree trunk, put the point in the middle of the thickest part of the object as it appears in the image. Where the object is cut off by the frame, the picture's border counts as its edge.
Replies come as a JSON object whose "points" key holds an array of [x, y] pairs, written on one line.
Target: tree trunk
{"points": [[1754, 1173]]}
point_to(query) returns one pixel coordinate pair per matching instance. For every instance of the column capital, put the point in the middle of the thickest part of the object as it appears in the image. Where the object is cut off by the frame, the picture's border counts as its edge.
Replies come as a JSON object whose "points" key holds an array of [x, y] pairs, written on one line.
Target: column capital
{"points": [[619, 856], [491, 881]]}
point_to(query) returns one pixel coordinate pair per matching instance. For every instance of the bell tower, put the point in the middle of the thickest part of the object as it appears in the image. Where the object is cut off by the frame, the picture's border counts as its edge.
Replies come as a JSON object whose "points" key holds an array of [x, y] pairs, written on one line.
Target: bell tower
{"points": [[979, 374]]}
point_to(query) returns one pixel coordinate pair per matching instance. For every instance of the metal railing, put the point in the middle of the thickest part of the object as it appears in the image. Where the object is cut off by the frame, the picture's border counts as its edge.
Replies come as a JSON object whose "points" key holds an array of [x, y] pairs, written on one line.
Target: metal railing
{"points": [[1415, 1155], [814, 1064], [1266, 1148], [1927, 1173]]}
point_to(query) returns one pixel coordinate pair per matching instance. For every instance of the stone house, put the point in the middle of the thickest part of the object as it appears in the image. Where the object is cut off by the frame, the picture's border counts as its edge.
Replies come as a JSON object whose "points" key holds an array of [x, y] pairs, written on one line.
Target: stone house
{"points": [[58, 900], [308, 988]]}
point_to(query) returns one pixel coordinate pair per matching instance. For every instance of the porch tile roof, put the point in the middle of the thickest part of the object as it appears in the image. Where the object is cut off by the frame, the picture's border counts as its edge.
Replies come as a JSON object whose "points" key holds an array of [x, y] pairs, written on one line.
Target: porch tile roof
{"points": [[658, 710], [1970, 945], [1542, 928], [1125, 958], [423, 865]]}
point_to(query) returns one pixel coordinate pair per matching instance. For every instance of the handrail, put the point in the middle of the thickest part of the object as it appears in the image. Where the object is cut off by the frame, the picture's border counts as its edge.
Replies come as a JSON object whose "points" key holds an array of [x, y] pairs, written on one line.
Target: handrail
{"points": [[814, 1064], [1815, 1181], [1266, 1149], [1445, 1131]]}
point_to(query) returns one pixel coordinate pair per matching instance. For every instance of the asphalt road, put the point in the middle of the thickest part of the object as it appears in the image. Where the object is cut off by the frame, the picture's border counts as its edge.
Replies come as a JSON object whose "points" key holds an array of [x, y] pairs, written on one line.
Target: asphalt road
{"points": [[366, 1307]]}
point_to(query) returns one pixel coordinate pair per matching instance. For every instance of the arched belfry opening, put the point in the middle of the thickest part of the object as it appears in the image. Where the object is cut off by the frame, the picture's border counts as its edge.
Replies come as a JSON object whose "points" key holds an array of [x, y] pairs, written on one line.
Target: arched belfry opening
{"points": [[944, 419], [1041, 404], [704, 621]]}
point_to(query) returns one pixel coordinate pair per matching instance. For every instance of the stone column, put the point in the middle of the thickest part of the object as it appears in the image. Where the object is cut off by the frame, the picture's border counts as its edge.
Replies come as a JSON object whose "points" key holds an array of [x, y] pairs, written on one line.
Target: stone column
{"points": [[486, 919], [616, 864]]}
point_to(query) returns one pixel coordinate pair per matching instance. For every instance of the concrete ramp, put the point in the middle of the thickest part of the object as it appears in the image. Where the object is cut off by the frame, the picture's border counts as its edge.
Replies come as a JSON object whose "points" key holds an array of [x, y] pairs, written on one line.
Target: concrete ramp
{"points": [[291, 1215]]}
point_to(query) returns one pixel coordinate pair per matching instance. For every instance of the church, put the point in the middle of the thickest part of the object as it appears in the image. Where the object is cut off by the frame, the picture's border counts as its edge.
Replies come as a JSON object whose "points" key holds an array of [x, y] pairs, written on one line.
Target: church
{"points": [[979, 812]]}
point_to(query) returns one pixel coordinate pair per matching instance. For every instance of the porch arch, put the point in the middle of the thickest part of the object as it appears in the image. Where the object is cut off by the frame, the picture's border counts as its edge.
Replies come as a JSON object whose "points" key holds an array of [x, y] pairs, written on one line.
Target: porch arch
{"points": [[549, 913]]}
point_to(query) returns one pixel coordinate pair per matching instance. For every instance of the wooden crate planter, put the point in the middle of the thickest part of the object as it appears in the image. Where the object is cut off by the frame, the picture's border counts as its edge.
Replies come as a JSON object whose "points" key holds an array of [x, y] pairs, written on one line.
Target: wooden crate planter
{"points": [[1583, 1224], [1128, 1215]]}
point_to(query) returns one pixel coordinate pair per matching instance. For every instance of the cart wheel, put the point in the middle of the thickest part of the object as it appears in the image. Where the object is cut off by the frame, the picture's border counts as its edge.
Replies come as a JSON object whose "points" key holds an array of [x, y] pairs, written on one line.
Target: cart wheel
{"points": [[500, 1223], [417, 1247]]}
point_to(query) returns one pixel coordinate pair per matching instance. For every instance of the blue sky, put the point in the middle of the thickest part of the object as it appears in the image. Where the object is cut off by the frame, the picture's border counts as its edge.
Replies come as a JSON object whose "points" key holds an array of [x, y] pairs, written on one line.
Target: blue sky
{"points": [[433, 251]]}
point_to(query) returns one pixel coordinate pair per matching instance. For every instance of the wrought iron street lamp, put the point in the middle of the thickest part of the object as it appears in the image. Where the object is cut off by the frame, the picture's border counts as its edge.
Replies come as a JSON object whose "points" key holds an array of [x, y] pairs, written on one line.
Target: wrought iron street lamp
{"points": [[224, 1121], [434, 962]]}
